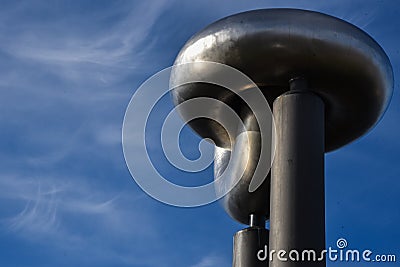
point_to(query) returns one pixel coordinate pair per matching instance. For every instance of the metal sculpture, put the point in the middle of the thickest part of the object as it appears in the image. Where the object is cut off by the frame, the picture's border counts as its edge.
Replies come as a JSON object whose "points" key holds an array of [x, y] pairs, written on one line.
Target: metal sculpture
{"points": [[328, 83]]}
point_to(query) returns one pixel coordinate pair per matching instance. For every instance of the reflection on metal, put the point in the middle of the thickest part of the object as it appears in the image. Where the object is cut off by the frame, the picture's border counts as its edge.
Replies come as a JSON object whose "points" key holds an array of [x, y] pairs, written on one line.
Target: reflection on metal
{"points": [[297, 174], [249, 247], [239, 203], [349, 85], [341, 63]]}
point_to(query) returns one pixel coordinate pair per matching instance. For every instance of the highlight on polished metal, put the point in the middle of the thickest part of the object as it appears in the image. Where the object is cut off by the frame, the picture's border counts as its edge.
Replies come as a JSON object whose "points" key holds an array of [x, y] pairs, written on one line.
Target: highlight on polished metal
{"points": [[342, 64], [145, 99], [328, 83]]}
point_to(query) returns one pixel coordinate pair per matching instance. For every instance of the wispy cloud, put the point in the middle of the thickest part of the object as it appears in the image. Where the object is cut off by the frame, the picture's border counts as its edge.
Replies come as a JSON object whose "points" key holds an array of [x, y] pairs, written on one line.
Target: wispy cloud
{"points": [[212, 261], [67, 41], [62, 78], [76, 59], [67, 72], [71, 215]]}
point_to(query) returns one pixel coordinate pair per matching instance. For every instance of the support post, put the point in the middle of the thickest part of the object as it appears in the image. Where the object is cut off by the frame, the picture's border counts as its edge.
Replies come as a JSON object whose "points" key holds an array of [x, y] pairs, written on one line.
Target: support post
{"points": [[250, 247], [297, 219]]}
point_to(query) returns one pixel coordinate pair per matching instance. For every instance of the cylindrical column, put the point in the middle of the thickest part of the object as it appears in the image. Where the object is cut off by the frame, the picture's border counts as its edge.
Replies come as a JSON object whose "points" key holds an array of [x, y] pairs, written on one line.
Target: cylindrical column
{"points": [[297, 222], [250, 247]]}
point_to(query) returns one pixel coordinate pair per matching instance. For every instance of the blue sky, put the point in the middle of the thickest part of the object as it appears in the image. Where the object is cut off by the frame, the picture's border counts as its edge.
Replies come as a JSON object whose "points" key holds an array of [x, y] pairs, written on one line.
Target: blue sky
{"points": [[67, 73]]}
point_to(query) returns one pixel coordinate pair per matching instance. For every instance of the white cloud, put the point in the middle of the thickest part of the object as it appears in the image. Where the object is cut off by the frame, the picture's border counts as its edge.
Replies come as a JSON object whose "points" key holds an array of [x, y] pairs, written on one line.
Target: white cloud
{"points": [[64, 84], [211, 261], [60, 43], [68, 214]]}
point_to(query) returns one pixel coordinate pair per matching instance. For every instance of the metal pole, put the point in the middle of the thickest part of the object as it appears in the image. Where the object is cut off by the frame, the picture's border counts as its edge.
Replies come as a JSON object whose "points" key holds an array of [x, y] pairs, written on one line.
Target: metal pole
{"points": [[250, 247], [297, 179]]}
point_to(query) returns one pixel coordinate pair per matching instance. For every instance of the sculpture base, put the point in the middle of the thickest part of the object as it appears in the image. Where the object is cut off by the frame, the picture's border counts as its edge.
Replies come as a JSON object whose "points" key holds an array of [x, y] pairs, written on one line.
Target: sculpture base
{"points": [[250, 247]]}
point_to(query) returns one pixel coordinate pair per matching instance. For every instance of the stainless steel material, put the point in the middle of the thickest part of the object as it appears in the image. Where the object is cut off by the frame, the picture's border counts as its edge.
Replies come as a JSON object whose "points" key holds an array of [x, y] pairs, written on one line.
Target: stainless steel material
{"points": [[350, 83], [247, 243], [297, 176], [342, 64], [239, 203]]}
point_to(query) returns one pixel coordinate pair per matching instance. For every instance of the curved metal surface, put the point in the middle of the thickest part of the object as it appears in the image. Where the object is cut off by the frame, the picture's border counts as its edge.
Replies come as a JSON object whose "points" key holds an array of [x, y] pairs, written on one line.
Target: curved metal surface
{"points": [[239, 203], [341, 63]]}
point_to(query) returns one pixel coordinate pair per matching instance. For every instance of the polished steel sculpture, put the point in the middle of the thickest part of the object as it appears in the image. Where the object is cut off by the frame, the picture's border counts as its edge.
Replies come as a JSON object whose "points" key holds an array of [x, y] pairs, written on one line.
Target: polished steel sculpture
{"points": [[328, 83]]}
